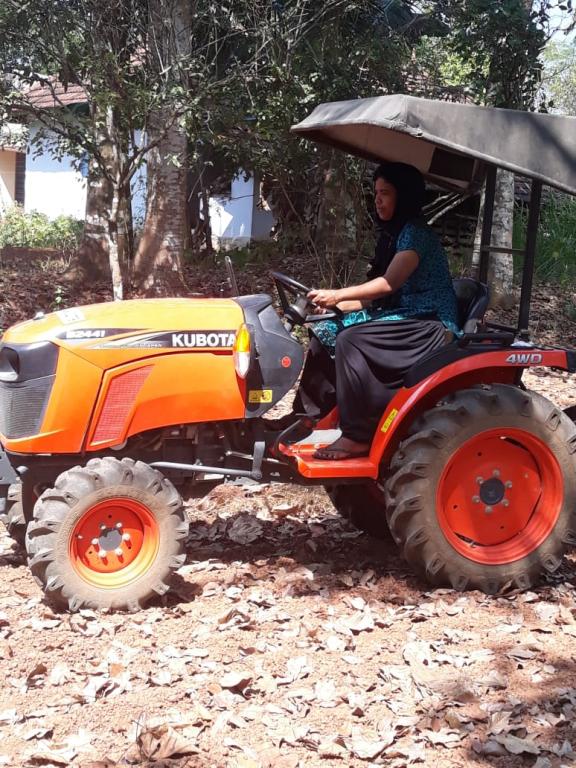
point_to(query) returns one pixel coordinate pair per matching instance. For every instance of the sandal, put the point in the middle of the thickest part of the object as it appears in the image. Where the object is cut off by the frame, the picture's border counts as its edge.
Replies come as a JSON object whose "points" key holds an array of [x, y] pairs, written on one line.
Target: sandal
{"points": [[334, 453]]}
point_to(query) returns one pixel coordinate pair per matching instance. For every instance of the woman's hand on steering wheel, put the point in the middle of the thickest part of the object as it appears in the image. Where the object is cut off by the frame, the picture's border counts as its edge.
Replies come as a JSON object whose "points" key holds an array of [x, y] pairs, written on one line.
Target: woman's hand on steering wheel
{"points": [[301, 309], [324, 299]]}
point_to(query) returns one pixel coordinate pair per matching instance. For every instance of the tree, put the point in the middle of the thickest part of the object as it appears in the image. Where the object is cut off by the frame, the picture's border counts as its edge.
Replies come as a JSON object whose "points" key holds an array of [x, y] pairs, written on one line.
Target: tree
{"points": [[306, 53], [499, 45], [201, 49], [164, 237], [559, 76], [101, 46]]}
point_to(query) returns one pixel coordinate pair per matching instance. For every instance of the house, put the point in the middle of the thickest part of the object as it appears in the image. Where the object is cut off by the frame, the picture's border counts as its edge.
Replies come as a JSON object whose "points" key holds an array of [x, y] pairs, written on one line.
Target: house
{"points": [[38, 178], [13, 142], [53, 185], [55, 182], [240, 215]]}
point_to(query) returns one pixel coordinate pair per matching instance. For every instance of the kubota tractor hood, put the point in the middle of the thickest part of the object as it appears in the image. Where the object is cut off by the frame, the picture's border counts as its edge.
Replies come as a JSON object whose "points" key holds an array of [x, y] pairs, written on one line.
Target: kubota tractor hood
{"points": [[145, 323]]}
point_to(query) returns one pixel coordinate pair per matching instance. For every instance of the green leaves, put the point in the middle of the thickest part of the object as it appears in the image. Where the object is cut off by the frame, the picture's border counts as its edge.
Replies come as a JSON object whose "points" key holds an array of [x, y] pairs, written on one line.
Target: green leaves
{"points": [[500, 45]]}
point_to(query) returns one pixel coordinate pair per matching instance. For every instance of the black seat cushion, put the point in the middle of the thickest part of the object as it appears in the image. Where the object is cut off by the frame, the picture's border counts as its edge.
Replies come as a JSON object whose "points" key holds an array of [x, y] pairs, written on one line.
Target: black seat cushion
{"points": [[472, 299]]}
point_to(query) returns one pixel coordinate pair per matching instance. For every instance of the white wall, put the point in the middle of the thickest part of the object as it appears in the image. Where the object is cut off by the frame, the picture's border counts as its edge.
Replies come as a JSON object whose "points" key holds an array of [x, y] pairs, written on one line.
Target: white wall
{"points": [[231, 217], [138, 187], [7, 178], [53, 186], [236, 220]]}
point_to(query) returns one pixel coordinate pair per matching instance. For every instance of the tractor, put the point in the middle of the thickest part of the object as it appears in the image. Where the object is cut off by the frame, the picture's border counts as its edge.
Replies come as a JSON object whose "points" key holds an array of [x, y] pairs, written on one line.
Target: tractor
{"points": [[106, 410]]}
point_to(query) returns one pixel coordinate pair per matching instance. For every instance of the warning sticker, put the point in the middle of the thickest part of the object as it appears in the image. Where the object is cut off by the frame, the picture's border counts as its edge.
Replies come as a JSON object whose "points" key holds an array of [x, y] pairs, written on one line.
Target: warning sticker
{"points": [[67, 316], [389, 419], [260, 396]]}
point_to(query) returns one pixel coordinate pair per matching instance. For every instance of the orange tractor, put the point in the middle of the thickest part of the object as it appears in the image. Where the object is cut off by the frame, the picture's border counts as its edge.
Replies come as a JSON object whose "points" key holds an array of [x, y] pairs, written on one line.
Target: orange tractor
{"points": [[106, 409]]}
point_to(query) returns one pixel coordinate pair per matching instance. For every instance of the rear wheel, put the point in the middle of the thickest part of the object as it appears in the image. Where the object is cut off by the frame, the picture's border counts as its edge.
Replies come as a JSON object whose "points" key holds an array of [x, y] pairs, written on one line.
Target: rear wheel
{"points": [[363, 505], [107, 536], [482, 493]]}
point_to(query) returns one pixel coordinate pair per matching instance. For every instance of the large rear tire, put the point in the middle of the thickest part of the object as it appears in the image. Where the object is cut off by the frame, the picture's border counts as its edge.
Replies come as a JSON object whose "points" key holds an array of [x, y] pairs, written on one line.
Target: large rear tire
{"points": [[482, 493], [13, 515], [107, 536], [363, 506]]}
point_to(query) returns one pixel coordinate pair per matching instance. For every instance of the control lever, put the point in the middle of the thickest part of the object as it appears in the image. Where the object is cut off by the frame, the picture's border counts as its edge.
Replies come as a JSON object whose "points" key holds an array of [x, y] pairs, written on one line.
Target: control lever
{"points": [[231, 276]]}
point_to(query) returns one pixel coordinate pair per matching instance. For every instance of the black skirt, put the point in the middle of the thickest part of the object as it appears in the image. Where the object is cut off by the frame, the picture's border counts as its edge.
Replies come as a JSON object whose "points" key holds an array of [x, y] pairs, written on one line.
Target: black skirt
{"points": [[370, 363]]}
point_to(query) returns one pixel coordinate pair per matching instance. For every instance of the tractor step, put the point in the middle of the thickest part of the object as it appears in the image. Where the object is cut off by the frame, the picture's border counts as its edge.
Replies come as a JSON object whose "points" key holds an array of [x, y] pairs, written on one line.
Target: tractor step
{"points": [[302, 452]]}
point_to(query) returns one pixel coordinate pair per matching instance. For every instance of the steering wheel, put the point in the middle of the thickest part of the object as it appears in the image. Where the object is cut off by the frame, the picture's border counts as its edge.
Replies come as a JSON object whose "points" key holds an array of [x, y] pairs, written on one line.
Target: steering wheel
{"points": [[299, 309]]}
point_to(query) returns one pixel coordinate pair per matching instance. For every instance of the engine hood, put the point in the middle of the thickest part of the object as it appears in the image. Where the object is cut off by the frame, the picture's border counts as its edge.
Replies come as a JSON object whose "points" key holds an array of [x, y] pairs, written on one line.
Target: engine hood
{"points": [[132, 321]]}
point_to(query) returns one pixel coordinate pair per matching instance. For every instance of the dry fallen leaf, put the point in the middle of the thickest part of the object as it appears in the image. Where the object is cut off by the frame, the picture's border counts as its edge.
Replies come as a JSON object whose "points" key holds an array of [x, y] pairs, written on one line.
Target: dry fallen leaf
{"points": [[245, 529], [236, 680], [163, 741], [517, 746], [447, 737], [366, 749]]}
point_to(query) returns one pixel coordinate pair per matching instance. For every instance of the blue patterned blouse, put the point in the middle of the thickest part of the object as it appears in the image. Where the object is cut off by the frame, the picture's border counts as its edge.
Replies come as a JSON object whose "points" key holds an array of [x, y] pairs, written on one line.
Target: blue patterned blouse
{"points": [[428, 292]]}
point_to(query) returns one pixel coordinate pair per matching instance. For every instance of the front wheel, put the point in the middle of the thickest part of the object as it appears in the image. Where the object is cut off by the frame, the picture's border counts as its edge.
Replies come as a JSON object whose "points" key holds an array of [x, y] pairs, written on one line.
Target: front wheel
{"points": [[482, 493], [107, 536], [13, 515]]}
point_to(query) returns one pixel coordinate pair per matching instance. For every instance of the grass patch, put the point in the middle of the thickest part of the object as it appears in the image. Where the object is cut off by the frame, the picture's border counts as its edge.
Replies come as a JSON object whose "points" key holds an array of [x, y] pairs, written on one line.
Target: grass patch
{"points": [[556, 242]]}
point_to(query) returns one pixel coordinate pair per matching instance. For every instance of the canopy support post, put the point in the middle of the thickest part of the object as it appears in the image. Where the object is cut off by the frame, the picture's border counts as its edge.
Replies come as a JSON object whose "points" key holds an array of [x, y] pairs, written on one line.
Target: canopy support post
{"points": [[529, 257], [489, 194]]}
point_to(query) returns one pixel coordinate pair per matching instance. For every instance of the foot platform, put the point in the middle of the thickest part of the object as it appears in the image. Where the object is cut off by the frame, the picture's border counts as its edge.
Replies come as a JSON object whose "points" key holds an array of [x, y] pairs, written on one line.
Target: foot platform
{"points": [[302, 450]]}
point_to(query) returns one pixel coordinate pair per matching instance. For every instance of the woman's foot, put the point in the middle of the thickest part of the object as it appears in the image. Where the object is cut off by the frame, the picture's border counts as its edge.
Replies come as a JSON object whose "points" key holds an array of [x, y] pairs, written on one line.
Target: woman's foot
{"points": [[343, 448]]}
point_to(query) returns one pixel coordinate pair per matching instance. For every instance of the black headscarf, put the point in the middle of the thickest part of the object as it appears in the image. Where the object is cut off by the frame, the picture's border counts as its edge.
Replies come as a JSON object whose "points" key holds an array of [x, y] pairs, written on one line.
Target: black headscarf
{"points": [[410, 190]]}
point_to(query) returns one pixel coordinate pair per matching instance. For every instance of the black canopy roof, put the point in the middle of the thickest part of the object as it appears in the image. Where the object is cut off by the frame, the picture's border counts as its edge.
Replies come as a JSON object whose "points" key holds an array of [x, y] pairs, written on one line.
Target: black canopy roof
{"points": [[450, 143]]}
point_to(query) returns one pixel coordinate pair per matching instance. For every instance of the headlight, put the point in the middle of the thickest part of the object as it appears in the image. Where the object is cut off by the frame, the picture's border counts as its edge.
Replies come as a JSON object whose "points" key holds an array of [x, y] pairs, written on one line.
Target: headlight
{"points": [[9, 364]]}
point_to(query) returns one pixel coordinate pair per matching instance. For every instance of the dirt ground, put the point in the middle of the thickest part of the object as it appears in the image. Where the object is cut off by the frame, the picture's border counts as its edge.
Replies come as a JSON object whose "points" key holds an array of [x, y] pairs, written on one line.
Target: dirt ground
{"points": [[291, 640]]}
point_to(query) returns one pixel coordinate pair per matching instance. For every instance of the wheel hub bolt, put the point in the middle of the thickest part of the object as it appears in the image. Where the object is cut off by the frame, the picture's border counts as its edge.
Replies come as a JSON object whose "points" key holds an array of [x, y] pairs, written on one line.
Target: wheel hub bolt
{"points": [[508, 483], [118, 525], [496, 473], [118, 551], [94, 542], [476, 499], [505, 503], [479, 480], [488, 510], [102, 553], [102, 527], [126, 537]]}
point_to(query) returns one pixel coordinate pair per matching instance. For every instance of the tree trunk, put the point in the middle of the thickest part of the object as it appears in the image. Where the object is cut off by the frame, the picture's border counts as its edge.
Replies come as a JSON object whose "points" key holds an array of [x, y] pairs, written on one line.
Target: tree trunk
{"points": [[501, 265], [334, 239], [93, 254], [114, 248], [164, 236], [105, 247]]}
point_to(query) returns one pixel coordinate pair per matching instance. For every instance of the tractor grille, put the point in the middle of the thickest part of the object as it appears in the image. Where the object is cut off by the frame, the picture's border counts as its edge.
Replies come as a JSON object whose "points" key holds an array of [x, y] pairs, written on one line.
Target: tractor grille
{"points": [[22, 406]]}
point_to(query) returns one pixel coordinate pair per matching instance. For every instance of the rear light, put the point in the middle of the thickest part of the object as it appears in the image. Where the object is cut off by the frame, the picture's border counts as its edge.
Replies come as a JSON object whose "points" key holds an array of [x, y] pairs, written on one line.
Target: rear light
{"points": [[242, 344]]}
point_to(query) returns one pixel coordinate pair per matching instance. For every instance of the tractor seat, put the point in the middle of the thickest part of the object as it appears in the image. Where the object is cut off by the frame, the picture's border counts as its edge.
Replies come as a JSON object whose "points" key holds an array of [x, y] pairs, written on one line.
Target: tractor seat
{"points": [[472, 298]]}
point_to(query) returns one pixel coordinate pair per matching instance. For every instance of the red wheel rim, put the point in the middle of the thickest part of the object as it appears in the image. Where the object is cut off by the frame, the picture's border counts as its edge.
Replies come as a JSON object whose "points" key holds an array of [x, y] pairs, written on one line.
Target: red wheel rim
{"points": [[114, 543], [499, 496]]}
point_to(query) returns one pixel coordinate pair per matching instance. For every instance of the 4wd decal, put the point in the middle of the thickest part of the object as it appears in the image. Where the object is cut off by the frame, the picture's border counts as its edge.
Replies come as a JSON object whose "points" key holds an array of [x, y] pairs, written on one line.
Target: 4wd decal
{"points": [[389, 419], [524, 358], [197, 340]]}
